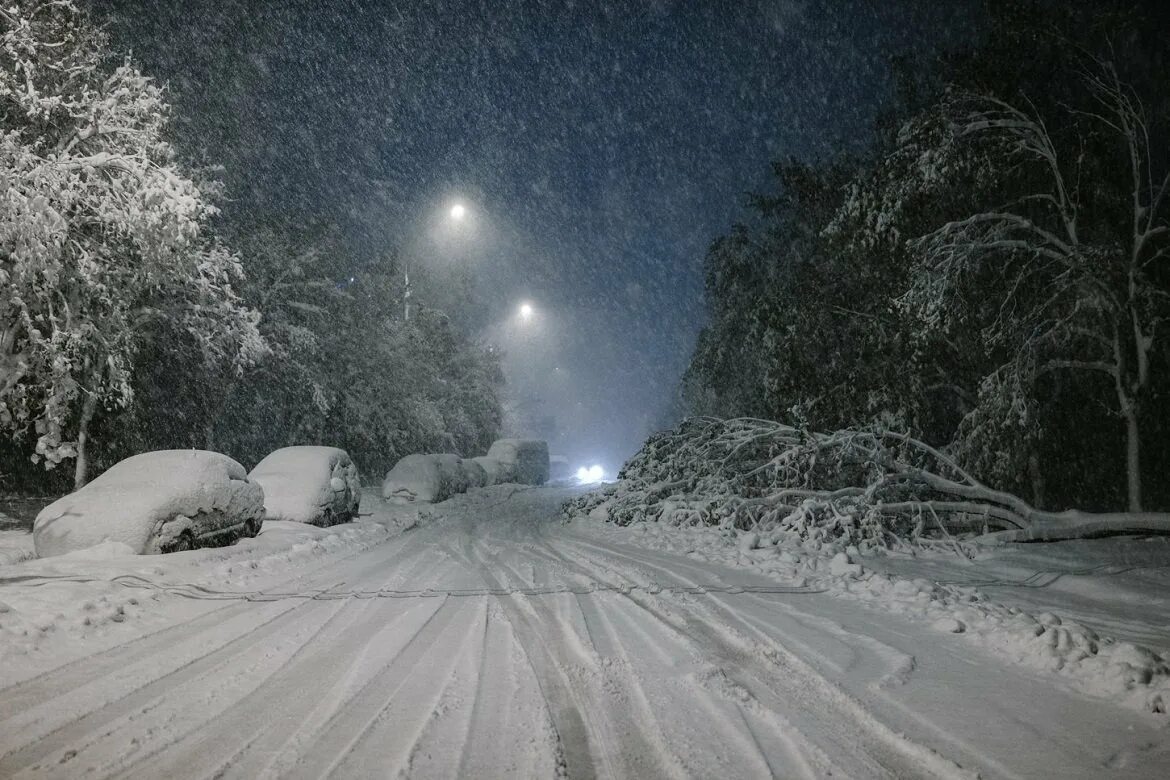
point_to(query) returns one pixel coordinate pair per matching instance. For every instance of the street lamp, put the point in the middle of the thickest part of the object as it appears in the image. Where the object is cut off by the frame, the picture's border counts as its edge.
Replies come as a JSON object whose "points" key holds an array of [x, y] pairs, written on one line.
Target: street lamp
{"points": [[526, 311], [458, 212]]}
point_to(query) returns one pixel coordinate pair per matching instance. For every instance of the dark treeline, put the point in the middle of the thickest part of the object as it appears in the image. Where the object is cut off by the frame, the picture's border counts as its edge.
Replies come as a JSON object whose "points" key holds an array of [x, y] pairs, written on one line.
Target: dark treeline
{"points": [[994, 277], [142, 309]]}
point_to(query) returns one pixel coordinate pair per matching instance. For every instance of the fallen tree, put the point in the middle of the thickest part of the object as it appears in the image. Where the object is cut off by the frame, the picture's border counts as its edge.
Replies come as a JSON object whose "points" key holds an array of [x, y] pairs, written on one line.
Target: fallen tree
{"points": [[869, 487]]}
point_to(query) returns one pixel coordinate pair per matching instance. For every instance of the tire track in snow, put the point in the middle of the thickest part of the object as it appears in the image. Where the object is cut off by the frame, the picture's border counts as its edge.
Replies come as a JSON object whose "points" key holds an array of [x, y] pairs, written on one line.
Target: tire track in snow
{"points": [[305, 692], [784, 683], [333, 745], [20, 696], [391, 740], [622, 742], [779, 751], [199, 653], [508, 711], [568, 721]]}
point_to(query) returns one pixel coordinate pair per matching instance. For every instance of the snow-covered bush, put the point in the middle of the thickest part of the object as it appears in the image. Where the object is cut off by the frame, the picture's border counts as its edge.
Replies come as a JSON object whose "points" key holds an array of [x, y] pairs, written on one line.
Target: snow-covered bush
{"points": [[155, 502]]}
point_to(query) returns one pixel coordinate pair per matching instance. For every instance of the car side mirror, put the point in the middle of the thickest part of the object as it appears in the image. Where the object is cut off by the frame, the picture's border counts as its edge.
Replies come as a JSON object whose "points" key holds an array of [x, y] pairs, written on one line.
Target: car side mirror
{"points": [[337, 485]]}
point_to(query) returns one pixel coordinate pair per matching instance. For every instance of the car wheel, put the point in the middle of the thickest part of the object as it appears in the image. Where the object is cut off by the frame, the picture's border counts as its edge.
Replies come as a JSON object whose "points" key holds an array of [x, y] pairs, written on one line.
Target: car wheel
{"points": [[185, 542], [252, 528], [327, 517]]}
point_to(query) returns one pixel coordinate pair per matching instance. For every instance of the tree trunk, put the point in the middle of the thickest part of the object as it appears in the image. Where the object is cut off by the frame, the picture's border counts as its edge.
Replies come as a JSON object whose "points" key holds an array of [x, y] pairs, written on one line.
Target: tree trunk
{"points": [[1133, 459], [81, 467], [1036, 477]]}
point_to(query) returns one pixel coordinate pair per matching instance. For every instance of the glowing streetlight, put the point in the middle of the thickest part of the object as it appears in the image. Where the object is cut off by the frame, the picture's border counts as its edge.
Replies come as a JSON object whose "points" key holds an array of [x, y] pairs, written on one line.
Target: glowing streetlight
{"points": [[526, 311], [458, 212]]}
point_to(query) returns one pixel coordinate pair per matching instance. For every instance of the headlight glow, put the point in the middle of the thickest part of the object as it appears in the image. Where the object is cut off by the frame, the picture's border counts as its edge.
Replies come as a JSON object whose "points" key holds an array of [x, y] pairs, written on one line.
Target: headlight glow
{"points": [[590, 474]]}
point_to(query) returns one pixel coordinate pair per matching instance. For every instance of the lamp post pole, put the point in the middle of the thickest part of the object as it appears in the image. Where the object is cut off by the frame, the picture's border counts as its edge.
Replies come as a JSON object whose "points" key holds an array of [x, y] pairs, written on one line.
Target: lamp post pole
{"points": [[406, 291]]}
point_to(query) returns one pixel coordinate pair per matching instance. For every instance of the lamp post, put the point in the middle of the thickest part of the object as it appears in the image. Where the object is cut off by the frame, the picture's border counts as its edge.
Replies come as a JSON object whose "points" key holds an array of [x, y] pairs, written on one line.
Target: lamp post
{"points": [[406, 291]]}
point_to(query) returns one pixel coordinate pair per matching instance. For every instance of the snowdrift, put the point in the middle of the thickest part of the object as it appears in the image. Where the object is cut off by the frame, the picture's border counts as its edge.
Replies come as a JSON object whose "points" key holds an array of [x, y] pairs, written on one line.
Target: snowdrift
{"points": [[155, 502]]}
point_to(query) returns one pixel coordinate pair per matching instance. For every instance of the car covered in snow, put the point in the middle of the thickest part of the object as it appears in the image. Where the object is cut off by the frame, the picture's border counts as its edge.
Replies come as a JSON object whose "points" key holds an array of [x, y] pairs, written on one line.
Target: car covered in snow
{"points": [[309, 484], [156, 502], [425, 478], [495, 472], [528, 457]]}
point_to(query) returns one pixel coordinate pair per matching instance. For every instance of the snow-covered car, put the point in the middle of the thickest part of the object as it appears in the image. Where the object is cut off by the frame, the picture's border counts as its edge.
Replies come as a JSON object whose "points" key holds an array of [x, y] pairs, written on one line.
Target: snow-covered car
{"points": [[496, 472], [424, 478], [529, 458], [156, 502], [474, 473], [309, 484]]}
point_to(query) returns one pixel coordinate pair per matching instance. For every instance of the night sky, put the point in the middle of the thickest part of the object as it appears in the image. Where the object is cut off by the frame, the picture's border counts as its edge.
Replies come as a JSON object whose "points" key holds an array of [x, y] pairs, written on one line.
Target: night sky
{"points": [[600, 147]]}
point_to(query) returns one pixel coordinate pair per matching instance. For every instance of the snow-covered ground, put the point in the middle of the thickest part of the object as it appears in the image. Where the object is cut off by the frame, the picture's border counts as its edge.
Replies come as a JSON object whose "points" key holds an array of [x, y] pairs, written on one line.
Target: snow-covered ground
{"points": [[494, 640]]}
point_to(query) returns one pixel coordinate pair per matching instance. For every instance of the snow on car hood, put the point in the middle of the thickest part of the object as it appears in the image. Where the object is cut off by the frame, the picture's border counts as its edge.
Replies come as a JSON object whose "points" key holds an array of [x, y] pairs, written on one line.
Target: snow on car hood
{"points": [[127, 502]]}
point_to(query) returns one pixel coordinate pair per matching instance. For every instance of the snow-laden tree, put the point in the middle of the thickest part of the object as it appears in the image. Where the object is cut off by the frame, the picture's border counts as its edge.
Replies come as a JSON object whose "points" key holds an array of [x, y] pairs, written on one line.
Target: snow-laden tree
{"points": [[101, 232], [1075, 260]]}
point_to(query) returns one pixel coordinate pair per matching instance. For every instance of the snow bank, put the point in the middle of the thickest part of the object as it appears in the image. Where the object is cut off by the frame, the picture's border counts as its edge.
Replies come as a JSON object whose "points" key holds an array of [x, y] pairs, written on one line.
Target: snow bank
{"points": [[529, 458], [16, 546], [55, 609], [1113, 669], [301, 483], [674, 495], [148, 500]]}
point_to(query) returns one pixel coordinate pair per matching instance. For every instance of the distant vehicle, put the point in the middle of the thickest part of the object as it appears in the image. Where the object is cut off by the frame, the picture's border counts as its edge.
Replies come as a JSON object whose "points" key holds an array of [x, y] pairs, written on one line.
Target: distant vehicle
{"points": [[156, 502], [527, 457], [309, 484]]}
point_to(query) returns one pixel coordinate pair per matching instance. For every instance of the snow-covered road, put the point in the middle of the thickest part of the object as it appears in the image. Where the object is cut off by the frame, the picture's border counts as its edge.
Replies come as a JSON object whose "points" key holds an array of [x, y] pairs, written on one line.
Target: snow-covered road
{"points": [[495, 641]]}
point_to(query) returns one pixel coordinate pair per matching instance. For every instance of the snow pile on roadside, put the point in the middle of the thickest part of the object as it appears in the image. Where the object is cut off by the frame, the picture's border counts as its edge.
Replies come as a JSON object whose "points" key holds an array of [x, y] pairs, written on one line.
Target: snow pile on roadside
{"points": [[284, 547], [53, 603], [16, 546], [810, 556]]}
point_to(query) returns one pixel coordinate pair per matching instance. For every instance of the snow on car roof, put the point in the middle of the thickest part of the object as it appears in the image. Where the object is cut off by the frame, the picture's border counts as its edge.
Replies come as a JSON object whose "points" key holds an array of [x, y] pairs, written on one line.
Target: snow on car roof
{"points": [[303, 458]]}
